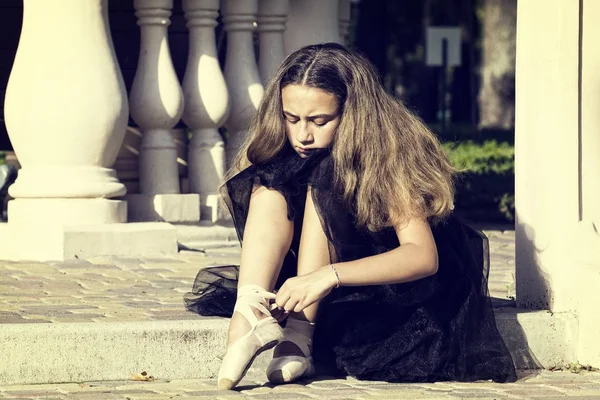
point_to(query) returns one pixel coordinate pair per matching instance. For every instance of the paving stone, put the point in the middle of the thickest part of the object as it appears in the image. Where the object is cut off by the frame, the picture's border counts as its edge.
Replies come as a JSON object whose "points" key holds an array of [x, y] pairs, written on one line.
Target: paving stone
{"points": [[135, 289], [216, 393], [285, 396], [480, 394], [33, 394]]}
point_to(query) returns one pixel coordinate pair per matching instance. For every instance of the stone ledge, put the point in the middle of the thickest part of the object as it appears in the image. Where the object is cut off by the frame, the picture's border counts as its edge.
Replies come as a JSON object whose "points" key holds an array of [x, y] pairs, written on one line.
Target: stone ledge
{"points": [[206, 235], [539, 338], [163, 207], [57, 243], [45, 353]]}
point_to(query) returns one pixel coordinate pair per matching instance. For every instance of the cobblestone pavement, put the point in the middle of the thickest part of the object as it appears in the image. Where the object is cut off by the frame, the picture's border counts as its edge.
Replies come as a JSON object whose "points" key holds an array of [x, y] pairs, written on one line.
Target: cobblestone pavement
{"points": [[126, 289], [546, 386], [140, 289], [501, 279], [103, 289]]}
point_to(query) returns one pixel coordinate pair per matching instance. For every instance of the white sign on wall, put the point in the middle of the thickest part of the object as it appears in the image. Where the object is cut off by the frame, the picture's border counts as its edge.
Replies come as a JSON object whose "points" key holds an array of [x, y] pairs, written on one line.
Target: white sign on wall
{"points": [[435, 37]]}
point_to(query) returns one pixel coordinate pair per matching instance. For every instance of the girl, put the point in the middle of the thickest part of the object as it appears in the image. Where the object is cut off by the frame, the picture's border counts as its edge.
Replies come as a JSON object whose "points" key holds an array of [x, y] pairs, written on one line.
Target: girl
{"points": [[343, 201]]}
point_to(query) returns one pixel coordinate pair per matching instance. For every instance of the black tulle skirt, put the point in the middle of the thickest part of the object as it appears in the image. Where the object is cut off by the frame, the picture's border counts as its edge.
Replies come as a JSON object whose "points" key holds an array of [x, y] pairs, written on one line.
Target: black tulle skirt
{"points": [[435, 329]]}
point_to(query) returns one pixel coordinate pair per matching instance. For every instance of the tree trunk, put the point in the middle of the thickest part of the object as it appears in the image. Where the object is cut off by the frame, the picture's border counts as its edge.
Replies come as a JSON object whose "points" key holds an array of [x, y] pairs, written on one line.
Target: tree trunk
{"points": [[372, 35], [497, 93]]}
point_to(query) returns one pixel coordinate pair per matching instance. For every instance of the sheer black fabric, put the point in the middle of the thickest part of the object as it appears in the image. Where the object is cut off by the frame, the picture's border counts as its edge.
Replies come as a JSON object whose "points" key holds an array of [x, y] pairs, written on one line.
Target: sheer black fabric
{"points": [[434, 329]]}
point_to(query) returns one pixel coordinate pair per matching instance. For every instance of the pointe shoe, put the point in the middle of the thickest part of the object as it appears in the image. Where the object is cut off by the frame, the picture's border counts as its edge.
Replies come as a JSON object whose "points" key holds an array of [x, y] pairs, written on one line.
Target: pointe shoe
{"points": [[286, 369], [263, 335]]}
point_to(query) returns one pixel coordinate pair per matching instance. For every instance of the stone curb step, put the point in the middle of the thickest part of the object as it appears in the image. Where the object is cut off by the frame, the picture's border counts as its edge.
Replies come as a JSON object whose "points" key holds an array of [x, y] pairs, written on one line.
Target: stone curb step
{"points": [[192, 349], [202, 236]]}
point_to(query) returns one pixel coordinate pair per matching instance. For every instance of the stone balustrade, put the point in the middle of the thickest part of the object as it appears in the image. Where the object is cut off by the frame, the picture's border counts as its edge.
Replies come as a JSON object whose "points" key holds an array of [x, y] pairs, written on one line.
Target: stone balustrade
{"points": [[212, 97], [67, 183]]}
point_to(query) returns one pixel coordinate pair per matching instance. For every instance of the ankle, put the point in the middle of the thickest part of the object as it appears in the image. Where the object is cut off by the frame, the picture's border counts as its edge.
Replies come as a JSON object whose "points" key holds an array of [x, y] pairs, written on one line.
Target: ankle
{"points": [[303, 327]]}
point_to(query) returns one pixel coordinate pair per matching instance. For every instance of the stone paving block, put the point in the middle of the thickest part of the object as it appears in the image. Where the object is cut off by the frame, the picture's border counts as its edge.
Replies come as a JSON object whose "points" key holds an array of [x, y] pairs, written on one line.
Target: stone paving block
{"points": [[535, 393], [594, 397], [480, 394], [152, 260], [216, 394], [151, 386], [408, 396], [397, 386], [140, 304], [192, 384], [285, 396], [94, 396], [33, 394]]}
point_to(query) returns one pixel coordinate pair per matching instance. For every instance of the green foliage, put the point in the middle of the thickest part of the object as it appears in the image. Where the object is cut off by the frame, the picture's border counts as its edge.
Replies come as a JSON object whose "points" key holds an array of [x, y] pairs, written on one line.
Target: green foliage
{"points": [[2, 157], [486, 158], [485, 184]]}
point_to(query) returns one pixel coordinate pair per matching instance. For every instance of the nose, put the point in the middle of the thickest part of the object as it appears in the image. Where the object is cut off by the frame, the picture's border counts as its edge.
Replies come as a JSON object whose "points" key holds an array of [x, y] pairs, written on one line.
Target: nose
{"points": [[303, 133]]}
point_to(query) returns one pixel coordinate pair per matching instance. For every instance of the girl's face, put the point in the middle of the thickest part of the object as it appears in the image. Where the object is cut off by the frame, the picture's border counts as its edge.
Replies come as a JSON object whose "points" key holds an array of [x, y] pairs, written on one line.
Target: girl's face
{"points": [[312, 117]]}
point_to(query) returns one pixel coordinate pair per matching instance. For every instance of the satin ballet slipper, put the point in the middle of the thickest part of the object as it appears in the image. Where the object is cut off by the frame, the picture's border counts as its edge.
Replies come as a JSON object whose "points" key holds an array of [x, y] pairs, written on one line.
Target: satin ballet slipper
{"points": [[285, 369], [263, 335]]}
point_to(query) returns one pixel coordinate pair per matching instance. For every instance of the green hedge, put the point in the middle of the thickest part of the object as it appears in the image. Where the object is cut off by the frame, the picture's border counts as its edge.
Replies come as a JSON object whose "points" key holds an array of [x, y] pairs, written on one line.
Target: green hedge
{"points": [[485, 186]]}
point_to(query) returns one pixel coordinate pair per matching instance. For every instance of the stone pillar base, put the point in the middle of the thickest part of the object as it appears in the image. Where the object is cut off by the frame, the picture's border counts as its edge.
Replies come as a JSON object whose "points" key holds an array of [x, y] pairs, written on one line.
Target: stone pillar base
{"points": [[163, 207], [214, 210], [63, 242], [26, 211]]}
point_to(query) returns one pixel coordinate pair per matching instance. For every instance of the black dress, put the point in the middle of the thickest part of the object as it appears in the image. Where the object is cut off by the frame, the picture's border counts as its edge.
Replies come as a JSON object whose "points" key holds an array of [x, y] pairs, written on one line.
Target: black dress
{"points": [[434, 329]]}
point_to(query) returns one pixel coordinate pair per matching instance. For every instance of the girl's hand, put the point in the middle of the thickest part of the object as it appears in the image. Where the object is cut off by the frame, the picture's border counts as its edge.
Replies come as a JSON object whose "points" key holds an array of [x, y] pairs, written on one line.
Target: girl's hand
{"points": [[301, 291]]}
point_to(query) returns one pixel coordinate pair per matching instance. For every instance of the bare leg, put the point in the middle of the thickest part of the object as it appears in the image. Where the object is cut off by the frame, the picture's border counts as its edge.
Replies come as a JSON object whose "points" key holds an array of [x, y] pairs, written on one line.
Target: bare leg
{"points": [[313, 254], [267, 237]]}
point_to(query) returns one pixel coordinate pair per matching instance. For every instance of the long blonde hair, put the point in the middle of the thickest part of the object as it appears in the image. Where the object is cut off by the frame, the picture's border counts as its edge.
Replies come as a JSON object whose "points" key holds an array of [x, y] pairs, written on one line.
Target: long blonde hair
{"points": [[388, 165]]}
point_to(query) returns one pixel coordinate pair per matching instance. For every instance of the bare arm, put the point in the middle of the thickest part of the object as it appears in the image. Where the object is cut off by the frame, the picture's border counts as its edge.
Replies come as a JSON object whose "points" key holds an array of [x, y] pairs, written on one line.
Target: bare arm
{"points": [[414, 259]]}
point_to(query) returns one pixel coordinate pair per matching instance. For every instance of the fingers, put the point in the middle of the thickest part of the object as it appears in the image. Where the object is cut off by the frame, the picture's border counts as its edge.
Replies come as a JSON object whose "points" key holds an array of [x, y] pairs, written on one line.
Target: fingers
{"points": [[291, 305], [269, 295], [299, 307], [281, 299], [285, 301]]}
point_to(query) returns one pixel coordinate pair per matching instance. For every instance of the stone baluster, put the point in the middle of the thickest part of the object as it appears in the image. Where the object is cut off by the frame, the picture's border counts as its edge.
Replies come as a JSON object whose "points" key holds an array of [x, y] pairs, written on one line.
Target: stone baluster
{"points": [[241, 72], [310, 22], [206, 106], [272, 15], [156, 100], [156, 106], [344, 13], [66, 114]]}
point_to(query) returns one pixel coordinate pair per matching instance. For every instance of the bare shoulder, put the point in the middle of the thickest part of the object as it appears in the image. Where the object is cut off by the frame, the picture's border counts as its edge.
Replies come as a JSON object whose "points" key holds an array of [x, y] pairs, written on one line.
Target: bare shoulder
{"points": [[416, 230]]}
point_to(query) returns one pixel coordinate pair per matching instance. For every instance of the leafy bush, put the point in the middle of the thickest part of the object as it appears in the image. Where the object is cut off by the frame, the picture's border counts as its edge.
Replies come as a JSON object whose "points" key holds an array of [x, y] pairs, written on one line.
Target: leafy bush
{"points": [[485, 185]]}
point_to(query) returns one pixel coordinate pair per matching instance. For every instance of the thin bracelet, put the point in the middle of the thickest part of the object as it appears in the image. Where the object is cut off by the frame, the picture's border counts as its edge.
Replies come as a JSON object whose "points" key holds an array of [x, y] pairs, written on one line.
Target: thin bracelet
{"points": [[337, 277]]}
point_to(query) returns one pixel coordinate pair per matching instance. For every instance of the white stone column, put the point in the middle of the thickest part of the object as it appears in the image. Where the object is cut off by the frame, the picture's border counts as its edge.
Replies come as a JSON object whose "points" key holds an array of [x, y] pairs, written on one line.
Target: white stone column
{"points": [[344, 14], [206, 106], [272, 15], [66, 113], [557, 176], [311, 22], [156, 106], [156, 99], [241, 73]]}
